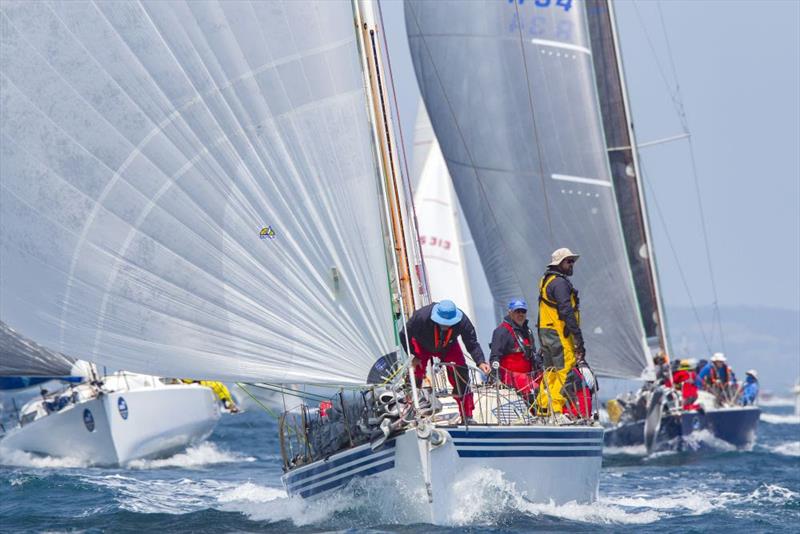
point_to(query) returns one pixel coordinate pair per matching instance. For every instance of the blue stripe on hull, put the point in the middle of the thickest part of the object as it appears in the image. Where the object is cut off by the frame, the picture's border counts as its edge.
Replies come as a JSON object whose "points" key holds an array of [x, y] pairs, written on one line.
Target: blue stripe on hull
{"points": [[521, 443], [474, 434], [472, 453], [328, 465], [342, 481], [325, 476]]}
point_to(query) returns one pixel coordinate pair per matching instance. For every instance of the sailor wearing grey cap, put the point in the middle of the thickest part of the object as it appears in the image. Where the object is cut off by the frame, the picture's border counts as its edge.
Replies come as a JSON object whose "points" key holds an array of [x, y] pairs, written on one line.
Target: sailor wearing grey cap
{"points": [[559, 329], [513, 348]]}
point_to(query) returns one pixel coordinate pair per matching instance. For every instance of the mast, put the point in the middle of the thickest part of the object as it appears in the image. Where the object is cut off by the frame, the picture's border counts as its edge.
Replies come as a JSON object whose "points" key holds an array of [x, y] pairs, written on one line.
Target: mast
{"points": [[401, 228], [625, 169]]}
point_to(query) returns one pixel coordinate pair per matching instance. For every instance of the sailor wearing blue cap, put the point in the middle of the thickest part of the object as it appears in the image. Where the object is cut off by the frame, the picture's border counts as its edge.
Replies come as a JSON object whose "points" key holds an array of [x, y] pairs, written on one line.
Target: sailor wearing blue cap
{"points": [[433, 330], [513, 348]]}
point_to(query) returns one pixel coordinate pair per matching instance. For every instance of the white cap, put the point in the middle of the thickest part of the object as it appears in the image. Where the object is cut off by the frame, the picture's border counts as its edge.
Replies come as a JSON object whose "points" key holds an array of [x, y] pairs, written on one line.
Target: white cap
{"points": [[753, 373], [718, 357], [561, 255]]}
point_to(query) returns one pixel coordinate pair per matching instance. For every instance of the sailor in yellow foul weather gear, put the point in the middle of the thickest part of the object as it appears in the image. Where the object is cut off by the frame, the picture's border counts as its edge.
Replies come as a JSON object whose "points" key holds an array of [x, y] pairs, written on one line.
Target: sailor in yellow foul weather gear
{"points": [[219, 389], [559, 330]]}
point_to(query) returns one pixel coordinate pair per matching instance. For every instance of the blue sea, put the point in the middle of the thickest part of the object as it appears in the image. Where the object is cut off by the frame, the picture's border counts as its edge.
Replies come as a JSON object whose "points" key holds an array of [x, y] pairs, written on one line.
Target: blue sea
{"points": [[232, 483]]}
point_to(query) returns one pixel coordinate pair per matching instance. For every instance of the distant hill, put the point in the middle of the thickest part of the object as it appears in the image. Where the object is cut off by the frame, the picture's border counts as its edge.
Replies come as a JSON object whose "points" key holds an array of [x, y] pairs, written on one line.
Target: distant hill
{"points": [[767, 339]]}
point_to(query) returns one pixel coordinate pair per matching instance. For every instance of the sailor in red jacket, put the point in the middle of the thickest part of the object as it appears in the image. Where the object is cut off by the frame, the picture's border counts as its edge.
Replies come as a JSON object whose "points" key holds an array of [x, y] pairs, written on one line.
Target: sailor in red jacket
{"points": [[513, 348], [433, 330], [684, 380]]}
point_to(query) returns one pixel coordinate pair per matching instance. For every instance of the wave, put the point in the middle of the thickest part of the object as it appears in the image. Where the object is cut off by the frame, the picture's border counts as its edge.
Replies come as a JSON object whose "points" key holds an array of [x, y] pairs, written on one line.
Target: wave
{"points": [[17, 458], [780, 419], [198, 456], [774, 402], [790, 448]]}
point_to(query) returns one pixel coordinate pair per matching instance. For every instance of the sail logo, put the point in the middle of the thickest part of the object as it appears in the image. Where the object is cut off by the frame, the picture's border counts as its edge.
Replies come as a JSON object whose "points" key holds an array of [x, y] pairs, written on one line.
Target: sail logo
{"points": [[122, 406], [88, 420], [267, 233]]}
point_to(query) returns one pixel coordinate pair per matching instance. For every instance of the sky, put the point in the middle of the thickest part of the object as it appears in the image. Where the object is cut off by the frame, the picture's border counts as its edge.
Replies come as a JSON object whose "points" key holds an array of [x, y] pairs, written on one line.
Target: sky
{"points": [[738, 69]]}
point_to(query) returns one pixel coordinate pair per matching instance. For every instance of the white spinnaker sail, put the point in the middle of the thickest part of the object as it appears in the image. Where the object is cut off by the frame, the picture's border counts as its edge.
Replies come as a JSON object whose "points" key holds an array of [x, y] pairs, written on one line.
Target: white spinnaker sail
{"points": [[438, 221], [510, 91], [190, 188]]}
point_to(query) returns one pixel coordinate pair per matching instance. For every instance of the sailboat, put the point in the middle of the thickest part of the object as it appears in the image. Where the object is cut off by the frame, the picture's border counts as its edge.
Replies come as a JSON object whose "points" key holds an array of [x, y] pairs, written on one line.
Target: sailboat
{"points": [[213, 189], [656, 416], [106, 420]]}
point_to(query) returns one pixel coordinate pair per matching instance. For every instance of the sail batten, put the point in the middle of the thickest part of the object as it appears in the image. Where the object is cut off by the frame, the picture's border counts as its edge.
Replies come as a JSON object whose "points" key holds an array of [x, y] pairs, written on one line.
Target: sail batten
{"points": [[519, 125], [190, 189]]}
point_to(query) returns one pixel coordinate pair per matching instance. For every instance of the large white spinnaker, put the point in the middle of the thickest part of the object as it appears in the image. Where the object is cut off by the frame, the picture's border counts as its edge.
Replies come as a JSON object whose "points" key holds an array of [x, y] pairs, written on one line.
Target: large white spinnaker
{"points": [[191, 189], [22, 357], [510, 91], [438, 220]]}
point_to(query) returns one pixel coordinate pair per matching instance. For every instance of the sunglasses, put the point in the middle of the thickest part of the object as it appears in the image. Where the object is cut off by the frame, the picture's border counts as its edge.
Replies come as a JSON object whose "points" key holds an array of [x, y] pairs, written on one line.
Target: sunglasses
{"points": [[520, 311], [569, 262]]}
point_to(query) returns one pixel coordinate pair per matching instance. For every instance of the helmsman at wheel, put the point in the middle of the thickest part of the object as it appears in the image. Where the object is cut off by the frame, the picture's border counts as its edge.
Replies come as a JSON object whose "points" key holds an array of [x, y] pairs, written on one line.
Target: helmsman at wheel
{"points": [[559, 329], [433, 330]]}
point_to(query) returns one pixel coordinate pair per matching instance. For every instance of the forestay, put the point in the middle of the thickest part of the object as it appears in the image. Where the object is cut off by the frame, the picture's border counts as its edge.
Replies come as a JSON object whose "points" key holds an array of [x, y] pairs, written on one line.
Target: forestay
{"points": [[190, 189], [510, 91]]}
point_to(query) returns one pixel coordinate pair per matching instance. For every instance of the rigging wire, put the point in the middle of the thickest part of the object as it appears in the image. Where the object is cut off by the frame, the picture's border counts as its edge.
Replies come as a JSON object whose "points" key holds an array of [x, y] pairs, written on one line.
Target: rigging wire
{"points": [[677, 100]]}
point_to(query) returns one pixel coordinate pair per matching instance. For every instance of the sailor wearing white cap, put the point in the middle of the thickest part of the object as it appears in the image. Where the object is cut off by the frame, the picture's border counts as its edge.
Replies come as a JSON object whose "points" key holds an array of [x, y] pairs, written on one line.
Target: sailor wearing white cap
{"points": [[559, 329]]}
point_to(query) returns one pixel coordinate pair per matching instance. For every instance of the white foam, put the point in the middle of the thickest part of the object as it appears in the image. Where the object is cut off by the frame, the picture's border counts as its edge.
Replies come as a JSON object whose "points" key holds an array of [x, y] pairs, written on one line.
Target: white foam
{"points": [[776, 401], [704, 439], [790, 448], [630, 450], [201, 455], [780, 419], [17, 458]]}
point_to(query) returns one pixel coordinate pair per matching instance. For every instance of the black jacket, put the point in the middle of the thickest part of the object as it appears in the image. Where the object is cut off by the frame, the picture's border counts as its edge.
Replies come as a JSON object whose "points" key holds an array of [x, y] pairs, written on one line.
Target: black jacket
{"points": [[560, 291], [420, 326], [503, 342]]}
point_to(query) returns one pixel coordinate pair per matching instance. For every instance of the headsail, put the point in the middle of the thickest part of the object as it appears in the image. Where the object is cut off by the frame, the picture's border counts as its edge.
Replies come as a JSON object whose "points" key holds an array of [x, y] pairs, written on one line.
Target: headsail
{"points": [[625, 169], [191, 189], [438, 221], [510, 91]]}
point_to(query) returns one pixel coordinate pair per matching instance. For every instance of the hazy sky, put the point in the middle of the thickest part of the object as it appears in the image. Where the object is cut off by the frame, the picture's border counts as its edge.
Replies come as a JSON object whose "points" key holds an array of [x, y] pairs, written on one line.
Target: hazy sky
{"points": [[738, 66]]}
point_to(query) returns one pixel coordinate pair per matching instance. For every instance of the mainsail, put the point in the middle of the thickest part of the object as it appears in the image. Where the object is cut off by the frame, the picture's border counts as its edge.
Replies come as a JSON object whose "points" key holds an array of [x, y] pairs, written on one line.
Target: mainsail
{"points": [[625, 169], [510, 91], [192, 189]]}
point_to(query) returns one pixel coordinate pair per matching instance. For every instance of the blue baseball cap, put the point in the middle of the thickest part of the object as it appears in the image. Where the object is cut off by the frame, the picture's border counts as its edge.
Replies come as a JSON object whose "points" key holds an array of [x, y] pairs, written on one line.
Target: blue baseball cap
{"points": [[517, 304], [446, 313]]}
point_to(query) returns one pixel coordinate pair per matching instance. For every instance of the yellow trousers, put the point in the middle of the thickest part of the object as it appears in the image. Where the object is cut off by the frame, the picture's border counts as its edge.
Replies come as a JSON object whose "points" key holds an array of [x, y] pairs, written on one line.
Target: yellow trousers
{"points": [[558, 355]]}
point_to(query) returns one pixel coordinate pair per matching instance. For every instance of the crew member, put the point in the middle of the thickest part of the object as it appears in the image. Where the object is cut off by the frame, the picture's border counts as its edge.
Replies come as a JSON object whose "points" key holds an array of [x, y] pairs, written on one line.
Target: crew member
{"points": [[750, 388], [661, 365], [559, 329], [684, 378], [513, 348], [716, 373], [433, 330]]}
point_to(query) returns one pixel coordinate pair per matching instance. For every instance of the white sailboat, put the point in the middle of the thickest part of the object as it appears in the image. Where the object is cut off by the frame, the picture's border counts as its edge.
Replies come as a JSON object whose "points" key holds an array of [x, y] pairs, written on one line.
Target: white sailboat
{"points": [[212, 189], [98, 420]]}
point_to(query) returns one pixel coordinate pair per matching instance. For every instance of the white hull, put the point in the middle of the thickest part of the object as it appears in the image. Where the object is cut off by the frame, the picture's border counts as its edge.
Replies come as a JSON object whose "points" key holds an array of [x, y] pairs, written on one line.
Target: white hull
{"points": [[544, 463], [160, 421]]}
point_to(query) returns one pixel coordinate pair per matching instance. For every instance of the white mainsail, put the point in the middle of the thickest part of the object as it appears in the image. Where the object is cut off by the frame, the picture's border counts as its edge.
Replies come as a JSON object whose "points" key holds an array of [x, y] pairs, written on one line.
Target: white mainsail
{"points": [[191, 188], [438, 221]]}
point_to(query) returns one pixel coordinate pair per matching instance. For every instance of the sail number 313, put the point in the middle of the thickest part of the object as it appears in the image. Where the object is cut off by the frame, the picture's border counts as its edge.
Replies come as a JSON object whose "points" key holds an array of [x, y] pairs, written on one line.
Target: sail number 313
{"points": [[566, 4]]}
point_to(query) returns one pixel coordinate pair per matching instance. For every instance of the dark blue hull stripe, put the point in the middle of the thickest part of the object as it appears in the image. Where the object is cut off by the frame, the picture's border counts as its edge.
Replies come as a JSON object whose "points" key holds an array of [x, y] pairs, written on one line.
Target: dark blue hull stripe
{"points": [[325, 476], [525, 443], [472, 434], [325, 466], [529, 453], [345, 480]]}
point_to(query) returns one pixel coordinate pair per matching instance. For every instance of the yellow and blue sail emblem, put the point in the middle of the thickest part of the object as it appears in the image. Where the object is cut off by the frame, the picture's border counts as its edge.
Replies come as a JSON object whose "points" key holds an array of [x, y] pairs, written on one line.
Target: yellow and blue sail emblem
{"points": [[267, 233]]}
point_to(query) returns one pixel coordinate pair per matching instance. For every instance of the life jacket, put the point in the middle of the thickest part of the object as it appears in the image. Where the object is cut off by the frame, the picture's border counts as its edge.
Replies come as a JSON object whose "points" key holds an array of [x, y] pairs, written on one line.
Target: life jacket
{"points": [[444, 343], [548, 309], [714, 376], [685, 379], [523, 346]]}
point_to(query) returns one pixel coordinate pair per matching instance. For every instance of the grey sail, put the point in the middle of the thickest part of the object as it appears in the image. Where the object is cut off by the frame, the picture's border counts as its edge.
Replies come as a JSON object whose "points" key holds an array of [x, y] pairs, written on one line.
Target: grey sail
{"points": [[625, 169], [191, 189], [20, 356], [509, 88]]}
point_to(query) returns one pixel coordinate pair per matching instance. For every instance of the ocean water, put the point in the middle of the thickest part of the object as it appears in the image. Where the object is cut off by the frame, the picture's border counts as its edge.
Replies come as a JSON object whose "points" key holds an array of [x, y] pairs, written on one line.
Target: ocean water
{"points": [[232, 483]]}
